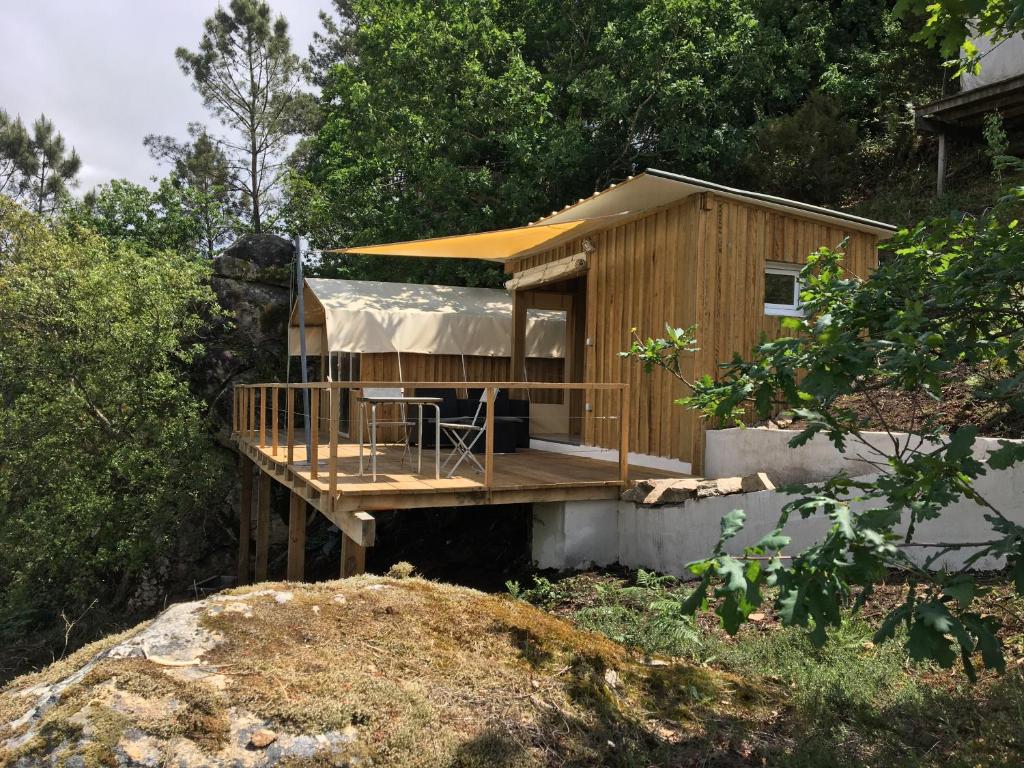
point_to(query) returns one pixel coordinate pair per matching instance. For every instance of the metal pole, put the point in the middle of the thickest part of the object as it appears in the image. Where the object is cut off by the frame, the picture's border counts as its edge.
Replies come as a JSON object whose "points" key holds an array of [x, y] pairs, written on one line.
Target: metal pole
{"points": [[300, 293]]}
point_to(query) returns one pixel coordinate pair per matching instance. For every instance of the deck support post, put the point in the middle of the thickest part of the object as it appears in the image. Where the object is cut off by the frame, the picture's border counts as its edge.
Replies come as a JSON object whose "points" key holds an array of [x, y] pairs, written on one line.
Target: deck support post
{"points": [[245, 468], [296, 538], [624, 417], [940, 175], [263, 527], [353, 557]]}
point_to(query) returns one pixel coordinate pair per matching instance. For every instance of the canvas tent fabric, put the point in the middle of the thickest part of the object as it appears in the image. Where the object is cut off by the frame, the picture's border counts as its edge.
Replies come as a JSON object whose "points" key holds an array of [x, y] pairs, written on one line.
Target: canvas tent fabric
{"points": [[368, 316], [645, 192], [497, 245]]}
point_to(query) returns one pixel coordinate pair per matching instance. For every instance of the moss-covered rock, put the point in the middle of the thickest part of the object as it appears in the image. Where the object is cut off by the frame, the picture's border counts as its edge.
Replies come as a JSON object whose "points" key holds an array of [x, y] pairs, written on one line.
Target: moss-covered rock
{"points": [[365, 671]]}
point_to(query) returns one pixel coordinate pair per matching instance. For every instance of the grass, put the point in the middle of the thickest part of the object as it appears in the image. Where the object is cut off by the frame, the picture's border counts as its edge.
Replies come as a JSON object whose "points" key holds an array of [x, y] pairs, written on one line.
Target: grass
{"points": [[416, 673], [850, 703]]}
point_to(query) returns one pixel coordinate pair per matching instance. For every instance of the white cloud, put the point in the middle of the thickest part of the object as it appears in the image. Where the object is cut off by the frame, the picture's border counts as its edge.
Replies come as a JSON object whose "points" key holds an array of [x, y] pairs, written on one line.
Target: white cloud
{"points": [[105, 73]]}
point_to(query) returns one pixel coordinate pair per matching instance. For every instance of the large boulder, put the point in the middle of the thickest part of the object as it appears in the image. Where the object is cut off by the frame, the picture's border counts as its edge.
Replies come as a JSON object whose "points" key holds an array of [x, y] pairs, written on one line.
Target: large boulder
{"points": [[262, 251], [251, 280], [365, 671]]}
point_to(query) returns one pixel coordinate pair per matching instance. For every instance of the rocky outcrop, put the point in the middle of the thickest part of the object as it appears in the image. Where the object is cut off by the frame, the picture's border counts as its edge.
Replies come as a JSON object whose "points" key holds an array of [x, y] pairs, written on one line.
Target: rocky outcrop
{"points": [[680, 490], [361, 672], [249, 343]]}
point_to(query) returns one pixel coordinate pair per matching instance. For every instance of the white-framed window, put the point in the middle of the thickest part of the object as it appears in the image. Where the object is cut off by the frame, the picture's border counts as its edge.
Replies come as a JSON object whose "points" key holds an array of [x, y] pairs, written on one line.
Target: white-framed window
{"points": [[782, 289]]}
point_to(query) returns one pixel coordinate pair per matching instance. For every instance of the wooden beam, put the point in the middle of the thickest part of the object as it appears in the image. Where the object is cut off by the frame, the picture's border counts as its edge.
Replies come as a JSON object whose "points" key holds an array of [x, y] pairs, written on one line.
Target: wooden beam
{"points": [[353, 558], [296, 538], [245, 468], [359, 526], [290, 424], [940, 173], [251, 431], [517, 367], [263, 526], [489, 439], [624, 417], [332, 461], [263, 416], [314, 435], [275, 395]]}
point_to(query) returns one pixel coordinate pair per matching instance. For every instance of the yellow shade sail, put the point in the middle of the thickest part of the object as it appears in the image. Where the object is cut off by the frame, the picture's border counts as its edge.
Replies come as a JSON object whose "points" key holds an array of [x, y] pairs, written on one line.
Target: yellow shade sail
{"points": [[498, 245], [648, 191]]}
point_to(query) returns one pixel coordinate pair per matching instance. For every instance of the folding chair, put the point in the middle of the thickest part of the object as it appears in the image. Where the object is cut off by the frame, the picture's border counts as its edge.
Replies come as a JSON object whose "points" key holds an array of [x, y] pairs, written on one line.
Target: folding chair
{"points": [[465, 435]]}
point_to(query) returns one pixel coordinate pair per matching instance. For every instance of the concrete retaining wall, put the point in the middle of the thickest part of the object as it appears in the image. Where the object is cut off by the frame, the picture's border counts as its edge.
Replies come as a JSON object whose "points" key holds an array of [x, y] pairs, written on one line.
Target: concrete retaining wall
{"points": [[574, 535]]}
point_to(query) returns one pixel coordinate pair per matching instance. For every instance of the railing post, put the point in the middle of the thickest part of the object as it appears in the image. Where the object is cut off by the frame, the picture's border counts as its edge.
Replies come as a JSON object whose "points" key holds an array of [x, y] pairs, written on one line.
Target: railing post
{"points": [[624, 417], [335, 395], [234, 410], [314, 440], [252, 412], [263, 416], [275, 395], [489, 439], [290, 424]]}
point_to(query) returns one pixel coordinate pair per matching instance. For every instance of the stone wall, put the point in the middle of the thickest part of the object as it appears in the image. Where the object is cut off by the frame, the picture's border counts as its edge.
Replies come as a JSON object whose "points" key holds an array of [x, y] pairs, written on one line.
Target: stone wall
{"points": [[662, 525]]}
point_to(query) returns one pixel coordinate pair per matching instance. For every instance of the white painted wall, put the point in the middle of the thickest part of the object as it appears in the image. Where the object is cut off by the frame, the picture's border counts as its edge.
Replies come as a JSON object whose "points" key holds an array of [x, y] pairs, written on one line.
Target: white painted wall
{"points": [[573, 535], [998, 62]]}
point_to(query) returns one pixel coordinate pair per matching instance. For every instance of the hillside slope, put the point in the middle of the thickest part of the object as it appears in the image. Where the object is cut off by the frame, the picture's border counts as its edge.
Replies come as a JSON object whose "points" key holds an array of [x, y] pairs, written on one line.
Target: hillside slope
{"points": [[369, 671]]}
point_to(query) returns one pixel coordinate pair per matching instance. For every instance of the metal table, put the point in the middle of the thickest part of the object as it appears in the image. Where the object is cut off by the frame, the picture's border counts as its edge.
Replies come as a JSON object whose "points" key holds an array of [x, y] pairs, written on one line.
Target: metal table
{"points": [[373, 401]]}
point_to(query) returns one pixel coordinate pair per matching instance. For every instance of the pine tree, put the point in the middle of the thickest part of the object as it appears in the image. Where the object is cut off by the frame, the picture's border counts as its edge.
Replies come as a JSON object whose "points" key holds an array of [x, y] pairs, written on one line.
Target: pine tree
{"points": [[15, 156], [211, 190], [51, 170], [249, 79]]}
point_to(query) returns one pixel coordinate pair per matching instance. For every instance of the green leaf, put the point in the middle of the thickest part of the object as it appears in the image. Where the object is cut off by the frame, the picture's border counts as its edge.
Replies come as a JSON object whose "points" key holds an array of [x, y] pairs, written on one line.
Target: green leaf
{"points": [[774, 541], [732, 523], [962, 589], [731, 571], [696, 600]]}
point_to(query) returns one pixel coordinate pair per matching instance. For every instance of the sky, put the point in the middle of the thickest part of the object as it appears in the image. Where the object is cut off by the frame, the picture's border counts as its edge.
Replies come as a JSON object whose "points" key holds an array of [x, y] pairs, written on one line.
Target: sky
{"points": [[104, 72]]}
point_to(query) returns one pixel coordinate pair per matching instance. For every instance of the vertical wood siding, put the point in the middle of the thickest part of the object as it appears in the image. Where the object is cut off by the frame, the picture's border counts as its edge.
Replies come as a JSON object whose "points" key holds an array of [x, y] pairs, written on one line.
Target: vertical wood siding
{"points": [[700, 261]]}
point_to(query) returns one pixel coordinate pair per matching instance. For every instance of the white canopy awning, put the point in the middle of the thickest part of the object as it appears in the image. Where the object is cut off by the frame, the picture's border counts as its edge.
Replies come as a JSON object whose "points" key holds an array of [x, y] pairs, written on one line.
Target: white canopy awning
{"points": [[369, 316]]}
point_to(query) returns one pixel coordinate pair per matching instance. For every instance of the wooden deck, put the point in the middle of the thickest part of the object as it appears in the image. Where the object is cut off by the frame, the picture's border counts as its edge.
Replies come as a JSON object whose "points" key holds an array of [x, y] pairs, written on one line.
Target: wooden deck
{"points": [[524, 476], [265, 429]]}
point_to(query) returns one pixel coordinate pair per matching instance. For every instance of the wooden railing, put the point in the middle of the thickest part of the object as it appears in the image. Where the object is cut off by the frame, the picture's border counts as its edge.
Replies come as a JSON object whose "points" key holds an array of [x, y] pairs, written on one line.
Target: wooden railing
{"points": [[256, 416]]}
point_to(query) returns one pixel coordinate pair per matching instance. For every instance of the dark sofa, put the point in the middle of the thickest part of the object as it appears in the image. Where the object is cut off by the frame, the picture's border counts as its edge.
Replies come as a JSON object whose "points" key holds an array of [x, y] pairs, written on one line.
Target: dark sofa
{"points": [[511, 419]]}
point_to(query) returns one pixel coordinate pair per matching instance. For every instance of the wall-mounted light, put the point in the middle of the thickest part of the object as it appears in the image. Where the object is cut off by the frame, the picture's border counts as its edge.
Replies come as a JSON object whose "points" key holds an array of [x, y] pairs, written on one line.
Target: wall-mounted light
{"points": [[588, 245]]}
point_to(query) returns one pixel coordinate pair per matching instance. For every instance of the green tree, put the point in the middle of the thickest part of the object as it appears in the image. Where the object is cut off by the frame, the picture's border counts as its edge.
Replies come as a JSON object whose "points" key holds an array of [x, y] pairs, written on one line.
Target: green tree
{"points": [[249, 79], [440, 118], [51, 169], [15, 156], [433, 128], [107, 471], [211, 192], [950, 24], [809, 154], [949, 297], [151, 221]]}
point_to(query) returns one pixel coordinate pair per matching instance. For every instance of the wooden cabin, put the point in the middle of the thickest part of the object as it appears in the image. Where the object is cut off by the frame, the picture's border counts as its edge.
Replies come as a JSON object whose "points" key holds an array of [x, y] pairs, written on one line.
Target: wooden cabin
{"points": [[654, 250], [658, 249]]}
